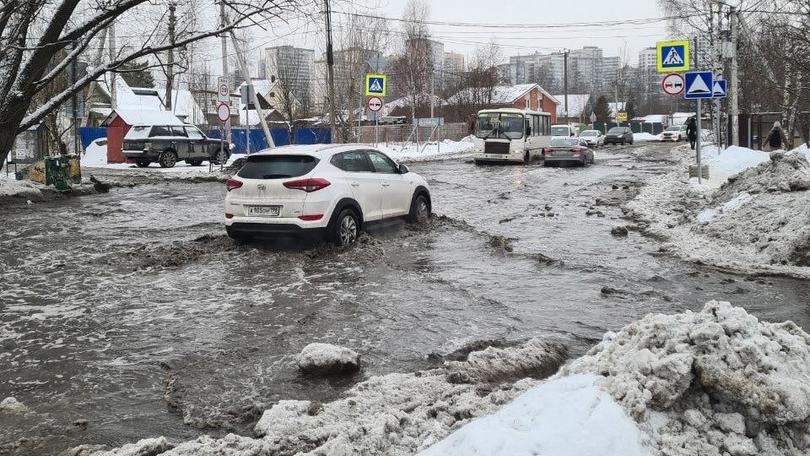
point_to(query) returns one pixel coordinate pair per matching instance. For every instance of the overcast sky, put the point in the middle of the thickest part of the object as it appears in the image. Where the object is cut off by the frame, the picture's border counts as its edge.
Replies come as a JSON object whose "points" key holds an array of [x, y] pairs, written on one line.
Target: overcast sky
{"points": [[504, 18], [515, 41]]}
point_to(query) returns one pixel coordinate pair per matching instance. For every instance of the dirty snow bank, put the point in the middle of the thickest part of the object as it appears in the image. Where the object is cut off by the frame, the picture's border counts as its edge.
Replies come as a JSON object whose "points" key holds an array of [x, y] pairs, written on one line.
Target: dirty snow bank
{"points": [[395, 414], [646, 137], [11, 189], [757, 221], [713, 382], [327, 359], [550, 419], [446, 150]]}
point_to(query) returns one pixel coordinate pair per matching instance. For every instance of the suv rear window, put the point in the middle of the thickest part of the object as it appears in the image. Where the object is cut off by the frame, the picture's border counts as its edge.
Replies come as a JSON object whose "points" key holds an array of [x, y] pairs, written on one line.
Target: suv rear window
{"points": [[277, 166], [138, 132]]}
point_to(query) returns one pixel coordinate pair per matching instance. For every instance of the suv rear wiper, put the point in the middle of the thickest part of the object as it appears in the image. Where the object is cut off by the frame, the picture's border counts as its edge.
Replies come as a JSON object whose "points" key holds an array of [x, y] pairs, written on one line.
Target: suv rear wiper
{"points": [[276, 176]]}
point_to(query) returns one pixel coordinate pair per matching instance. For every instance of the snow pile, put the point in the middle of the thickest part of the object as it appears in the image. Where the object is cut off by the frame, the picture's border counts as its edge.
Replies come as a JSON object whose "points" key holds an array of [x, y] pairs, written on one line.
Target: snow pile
{"points": [[646, 137], [13, 406], [757, 221], [95, 154], [732, 160], [776, 228], [327, 359], [396, 414], [550, 419], [10, 188], [710, 214], [145, 447], [445, 150], [714, 382]]}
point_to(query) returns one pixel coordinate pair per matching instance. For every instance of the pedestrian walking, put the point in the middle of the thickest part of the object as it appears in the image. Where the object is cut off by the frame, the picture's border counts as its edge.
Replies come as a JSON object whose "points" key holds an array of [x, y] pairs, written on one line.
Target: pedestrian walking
{"points": [[691, 132], [776, 138]]}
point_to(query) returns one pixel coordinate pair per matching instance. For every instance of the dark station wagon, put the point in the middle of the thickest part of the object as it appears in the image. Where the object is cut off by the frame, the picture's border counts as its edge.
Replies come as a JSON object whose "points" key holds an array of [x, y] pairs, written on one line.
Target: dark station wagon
{"points": [[169, 144]]}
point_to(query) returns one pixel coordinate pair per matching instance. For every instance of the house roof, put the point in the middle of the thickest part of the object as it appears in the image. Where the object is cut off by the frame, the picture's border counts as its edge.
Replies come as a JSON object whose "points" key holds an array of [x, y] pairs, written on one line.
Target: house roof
{"points": [[508, 94], [143, 117], [406, 102], [576, 104], [127, 97]]}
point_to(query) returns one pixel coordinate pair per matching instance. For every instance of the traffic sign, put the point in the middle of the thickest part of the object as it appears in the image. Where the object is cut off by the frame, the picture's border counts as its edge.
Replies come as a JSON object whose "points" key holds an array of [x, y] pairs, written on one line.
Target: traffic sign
{"points": [[719, 89], [375, 104], [699, 85], [223, 91], [621, 117], [672, 84], [376, 85], [672, 56], [223, 112]]}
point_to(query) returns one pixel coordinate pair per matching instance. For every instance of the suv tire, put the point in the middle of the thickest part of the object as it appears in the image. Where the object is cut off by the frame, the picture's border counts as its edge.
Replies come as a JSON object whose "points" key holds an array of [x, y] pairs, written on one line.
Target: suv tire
{"points": [[219, 158], [167, 159], [420, 210], [346, 228]]}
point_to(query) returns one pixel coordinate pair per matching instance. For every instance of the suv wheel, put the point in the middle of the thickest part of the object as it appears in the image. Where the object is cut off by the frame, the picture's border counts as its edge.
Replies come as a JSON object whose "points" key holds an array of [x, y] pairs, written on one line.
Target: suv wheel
{"points": [[346, 228], [220, 158], [143, 163], [167, 159], [420, 210]]}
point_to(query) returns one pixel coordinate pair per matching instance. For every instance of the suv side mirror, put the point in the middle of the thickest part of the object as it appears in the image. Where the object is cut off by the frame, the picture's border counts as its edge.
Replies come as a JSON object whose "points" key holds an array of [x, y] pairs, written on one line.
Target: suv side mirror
{"points": [[403, 169]]}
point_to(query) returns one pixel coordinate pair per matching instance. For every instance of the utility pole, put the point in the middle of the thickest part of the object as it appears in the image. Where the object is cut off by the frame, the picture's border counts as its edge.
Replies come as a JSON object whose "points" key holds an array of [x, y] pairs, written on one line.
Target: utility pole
{"points": [[170, 59], [330, 65], [246, 74], [113, 89], [733, 99], [698, 123], [225, 73], [565, 81]]}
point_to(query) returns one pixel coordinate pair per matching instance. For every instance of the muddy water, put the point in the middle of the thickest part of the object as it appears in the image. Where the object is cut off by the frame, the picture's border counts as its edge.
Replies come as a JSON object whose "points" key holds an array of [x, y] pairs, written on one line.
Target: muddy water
{"points": [[130, 315]]}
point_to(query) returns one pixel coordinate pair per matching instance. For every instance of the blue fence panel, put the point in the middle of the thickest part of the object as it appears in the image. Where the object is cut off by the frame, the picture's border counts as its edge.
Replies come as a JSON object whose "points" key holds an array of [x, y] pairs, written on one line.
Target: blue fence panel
{"points": [[281, 137], [90, 134], [313, 136]]}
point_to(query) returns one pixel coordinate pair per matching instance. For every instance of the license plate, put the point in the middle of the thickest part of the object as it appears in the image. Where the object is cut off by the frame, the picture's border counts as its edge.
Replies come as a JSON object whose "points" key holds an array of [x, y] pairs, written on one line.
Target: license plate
{"points": [[263, 211]]}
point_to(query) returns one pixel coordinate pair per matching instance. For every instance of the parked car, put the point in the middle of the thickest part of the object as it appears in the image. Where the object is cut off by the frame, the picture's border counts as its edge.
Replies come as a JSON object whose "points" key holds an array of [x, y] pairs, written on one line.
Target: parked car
{"points": [[568, 150], [594, 138], [322, 191], [619, 135], [564, 131], [167, 145], [674, 133]]}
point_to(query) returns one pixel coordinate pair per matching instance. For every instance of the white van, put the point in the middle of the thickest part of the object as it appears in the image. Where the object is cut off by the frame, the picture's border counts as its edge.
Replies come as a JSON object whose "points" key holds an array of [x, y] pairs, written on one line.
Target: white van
{"points": [[563, 131], [511, 135]]}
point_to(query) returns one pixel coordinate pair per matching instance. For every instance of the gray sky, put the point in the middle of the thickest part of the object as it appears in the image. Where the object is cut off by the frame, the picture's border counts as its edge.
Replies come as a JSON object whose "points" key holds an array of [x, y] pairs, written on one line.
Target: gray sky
{"points": [[633, 37], [306, 30]]}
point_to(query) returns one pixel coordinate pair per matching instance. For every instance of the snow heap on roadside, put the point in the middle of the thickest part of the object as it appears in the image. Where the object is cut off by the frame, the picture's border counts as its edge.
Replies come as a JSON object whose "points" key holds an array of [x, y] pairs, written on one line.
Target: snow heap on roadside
{"points": [[767, 209], [710, 383], [13, 189], [327, 359], [395, 414]]}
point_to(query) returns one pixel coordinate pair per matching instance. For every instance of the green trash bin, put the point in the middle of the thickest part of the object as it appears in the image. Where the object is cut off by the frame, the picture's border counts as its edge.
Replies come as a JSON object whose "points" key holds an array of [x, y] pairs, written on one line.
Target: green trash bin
{"points": [[56, 173]]}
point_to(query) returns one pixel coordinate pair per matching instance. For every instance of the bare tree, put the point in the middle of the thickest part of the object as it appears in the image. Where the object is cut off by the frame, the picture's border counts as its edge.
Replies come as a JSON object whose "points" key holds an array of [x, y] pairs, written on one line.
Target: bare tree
{"points": [[415, 66], [33, 33]]}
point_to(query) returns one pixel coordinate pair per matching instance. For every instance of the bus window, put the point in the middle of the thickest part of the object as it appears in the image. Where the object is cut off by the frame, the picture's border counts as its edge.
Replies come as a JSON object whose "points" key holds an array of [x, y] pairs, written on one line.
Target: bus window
{"points": [[536, 129]]}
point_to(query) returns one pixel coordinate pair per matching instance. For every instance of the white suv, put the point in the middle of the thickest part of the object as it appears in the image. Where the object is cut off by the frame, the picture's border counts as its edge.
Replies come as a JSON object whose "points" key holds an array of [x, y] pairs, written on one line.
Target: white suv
{"points": [[322, 191]]}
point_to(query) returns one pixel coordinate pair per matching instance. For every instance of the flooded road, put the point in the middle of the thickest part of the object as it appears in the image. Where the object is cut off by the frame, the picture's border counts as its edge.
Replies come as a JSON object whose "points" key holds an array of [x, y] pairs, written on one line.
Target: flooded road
{"points": [[131, 315]]}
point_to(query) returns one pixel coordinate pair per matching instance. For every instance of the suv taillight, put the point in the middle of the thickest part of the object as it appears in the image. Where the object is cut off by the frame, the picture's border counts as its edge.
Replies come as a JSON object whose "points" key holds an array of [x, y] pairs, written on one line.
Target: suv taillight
{"points": [[233, 184], [308, 185]]}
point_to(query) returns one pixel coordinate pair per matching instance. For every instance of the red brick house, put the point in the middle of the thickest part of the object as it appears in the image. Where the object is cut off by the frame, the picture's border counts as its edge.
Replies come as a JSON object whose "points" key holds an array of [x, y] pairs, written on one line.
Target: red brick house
{"points": [[520, 96]]}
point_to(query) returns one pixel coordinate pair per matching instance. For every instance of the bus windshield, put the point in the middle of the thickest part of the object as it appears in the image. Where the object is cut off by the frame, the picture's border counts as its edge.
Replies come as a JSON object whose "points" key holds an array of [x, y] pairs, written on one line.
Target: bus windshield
{"points": [[497, 125]]}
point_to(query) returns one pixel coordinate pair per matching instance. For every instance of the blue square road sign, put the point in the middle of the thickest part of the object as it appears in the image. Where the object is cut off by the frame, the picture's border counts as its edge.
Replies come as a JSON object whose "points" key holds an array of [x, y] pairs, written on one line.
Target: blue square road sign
{"points": [[699, 85]]}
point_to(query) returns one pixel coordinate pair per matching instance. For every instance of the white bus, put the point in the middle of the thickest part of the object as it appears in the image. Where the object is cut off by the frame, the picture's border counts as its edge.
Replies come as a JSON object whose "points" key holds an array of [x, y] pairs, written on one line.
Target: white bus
{"points": [[511, 135]]}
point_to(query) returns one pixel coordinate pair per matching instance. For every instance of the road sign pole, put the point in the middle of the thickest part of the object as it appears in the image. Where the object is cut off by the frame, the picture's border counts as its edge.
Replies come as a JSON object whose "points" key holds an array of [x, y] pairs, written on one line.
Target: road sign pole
{"points": [[697, 142]]}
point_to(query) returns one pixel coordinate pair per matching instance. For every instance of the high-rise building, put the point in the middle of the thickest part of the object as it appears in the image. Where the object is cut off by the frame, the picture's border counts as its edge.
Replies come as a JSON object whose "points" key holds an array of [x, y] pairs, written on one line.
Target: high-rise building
{"points": [[647, 58], [291, 66], [588, 69]]}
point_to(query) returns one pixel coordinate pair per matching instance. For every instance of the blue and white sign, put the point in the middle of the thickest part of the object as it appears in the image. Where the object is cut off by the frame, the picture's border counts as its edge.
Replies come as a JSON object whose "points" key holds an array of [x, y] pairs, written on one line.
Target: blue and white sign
{"points": [[699, 85], [719, 89]]}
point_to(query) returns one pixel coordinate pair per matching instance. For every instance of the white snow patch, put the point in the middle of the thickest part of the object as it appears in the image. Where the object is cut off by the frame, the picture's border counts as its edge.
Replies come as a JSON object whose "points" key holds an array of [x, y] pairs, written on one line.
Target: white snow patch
{"points": [[730, 161], [95, 154], [445, 150], [713, 382], [145, 447], [13, 406], [327, 359], [11, 188], [646, 137], [710, 214], [568, 416]]}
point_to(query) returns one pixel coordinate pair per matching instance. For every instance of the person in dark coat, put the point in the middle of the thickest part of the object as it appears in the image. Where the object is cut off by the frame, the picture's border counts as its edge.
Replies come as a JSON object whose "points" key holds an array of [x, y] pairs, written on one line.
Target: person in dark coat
{"points": [[776, 138], [691, 131]]}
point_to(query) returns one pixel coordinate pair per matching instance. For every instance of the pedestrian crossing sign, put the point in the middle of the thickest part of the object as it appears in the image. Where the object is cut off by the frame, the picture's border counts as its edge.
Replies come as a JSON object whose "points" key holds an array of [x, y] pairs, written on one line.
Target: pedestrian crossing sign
{"points": [[672, 56], [376, 85]]}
